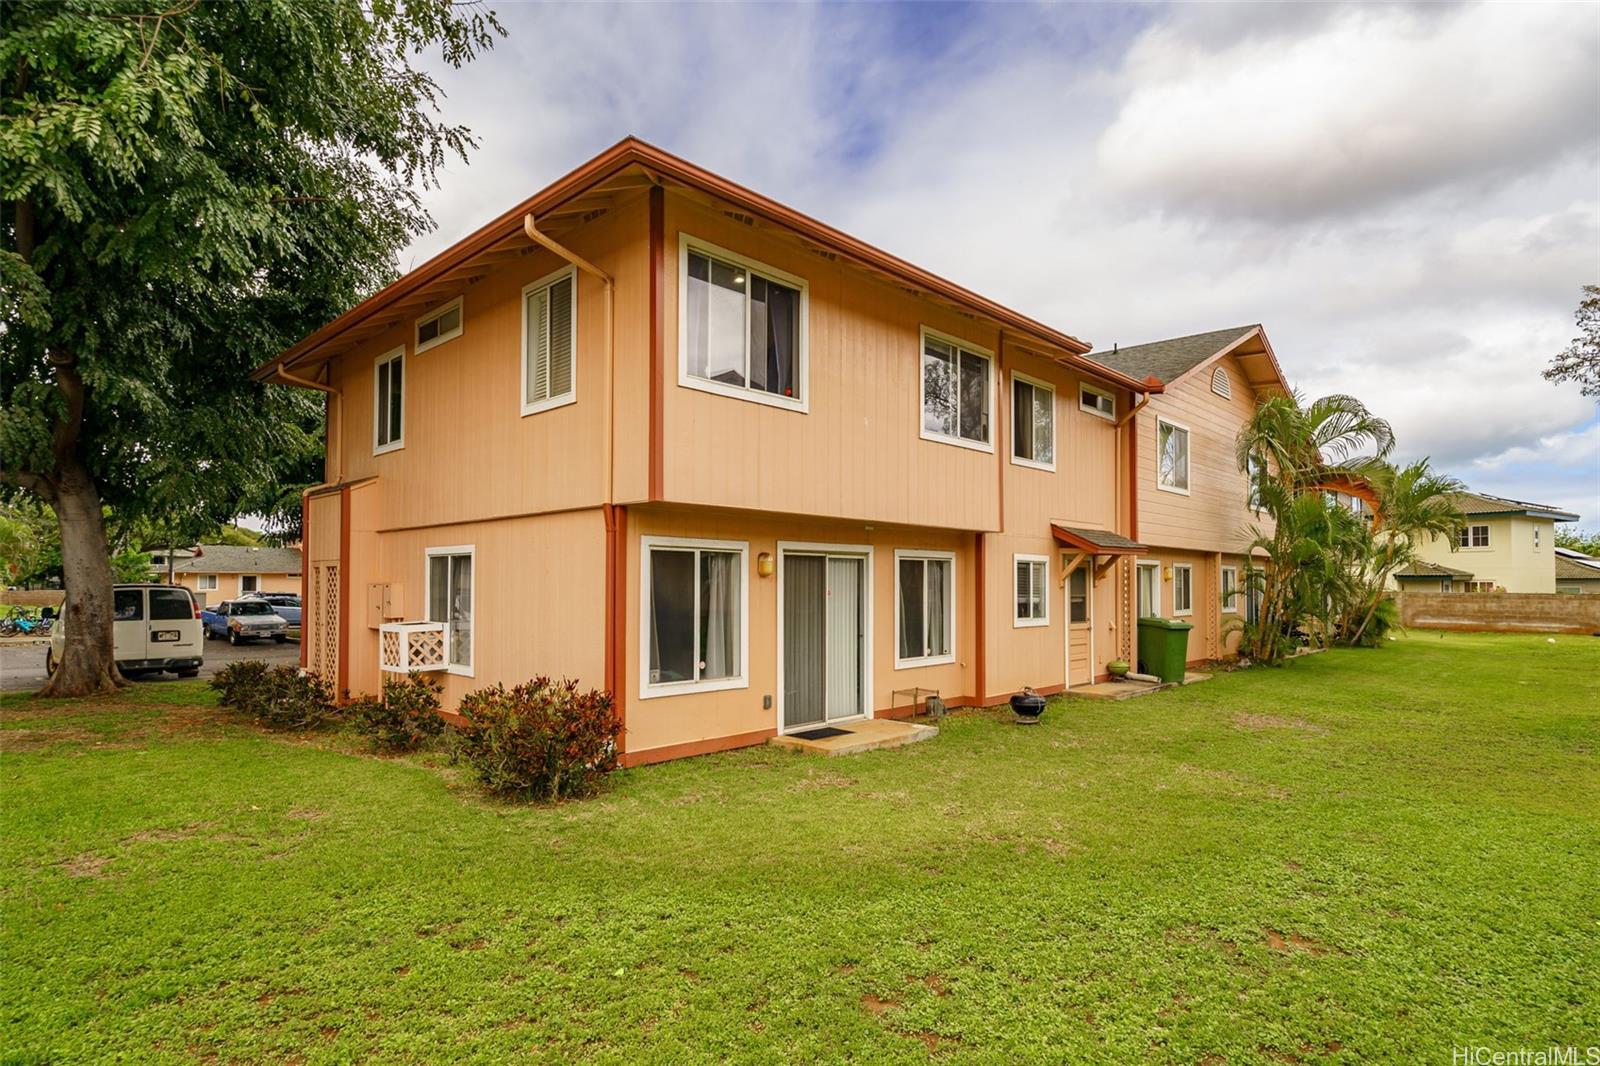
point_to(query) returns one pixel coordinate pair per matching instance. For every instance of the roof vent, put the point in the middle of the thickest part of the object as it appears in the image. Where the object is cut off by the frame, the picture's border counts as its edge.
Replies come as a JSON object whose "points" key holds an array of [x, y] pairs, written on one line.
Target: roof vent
{"points": [[1220, 383]]}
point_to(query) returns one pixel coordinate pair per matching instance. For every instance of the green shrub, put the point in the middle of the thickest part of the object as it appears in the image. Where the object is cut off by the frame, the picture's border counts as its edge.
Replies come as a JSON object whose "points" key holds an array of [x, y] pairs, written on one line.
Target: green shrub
{"points": [[239, 683], [404, 717], [277, 697], [1385, 619], [543, 739]]}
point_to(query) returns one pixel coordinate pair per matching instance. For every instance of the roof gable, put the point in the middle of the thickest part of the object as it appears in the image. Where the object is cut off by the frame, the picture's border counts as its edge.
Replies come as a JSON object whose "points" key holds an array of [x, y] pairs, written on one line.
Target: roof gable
{"points": [[1176, 358]]}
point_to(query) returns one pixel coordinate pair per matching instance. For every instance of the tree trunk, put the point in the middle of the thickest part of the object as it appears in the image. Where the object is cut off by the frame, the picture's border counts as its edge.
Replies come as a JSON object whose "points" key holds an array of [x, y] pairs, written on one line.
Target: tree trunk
{"points": [[88, 664]]}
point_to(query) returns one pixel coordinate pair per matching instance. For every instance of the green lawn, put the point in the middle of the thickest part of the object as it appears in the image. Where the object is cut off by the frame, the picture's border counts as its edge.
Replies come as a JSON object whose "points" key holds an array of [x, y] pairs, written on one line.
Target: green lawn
{"points": [[1361, 856]]}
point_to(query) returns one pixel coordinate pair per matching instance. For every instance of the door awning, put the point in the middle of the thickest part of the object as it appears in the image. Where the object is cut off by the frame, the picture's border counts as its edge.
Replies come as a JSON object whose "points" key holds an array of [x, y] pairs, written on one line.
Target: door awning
{"points": [[1095, 541]]}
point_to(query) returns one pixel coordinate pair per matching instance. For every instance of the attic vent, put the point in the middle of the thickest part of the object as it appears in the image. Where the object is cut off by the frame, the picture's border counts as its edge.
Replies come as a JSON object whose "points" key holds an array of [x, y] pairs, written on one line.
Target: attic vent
{"points": [[737, 217], [1220, 384], [590, 216], [829, 256]]}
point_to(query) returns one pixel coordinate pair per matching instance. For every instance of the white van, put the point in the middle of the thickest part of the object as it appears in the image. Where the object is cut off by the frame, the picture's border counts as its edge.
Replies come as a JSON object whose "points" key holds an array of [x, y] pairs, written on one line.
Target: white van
{"points": [[155, 627]]}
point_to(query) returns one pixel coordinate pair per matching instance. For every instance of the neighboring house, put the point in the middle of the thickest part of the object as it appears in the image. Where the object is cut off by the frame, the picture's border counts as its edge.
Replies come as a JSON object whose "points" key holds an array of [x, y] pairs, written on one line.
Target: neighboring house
{"points": [[1193, 502], [1505, 545], [1577, 572], [1419, 576], [217, 572], [658, 433]]}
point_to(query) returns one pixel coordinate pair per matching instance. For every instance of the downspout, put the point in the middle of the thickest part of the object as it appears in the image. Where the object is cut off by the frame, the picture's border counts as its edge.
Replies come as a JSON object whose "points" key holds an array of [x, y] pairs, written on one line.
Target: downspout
{"points": [[338, 416], [614, 520]]}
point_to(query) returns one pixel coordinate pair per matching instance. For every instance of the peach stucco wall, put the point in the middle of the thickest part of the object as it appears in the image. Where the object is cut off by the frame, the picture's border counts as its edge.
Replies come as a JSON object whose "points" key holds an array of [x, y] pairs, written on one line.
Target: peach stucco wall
{"points": [[228, 585]]}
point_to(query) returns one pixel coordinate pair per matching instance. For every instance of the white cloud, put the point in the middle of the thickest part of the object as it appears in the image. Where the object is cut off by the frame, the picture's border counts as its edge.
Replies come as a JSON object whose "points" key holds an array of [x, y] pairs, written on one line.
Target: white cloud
{"points": [[1377, 102]]}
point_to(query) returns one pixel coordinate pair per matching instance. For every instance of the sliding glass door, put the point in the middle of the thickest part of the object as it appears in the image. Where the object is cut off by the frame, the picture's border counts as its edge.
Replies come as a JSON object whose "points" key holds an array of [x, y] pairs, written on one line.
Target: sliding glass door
{"points": [[824, 637]]}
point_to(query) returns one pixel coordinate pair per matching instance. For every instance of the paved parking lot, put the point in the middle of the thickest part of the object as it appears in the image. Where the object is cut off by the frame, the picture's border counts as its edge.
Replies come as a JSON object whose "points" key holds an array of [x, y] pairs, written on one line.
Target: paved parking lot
{"points": [[22, 665]]}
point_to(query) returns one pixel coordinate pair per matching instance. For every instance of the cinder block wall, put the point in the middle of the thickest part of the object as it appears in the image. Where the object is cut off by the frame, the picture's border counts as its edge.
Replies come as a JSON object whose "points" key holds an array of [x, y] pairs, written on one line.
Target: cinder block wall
{"points": [[1501, 612]]}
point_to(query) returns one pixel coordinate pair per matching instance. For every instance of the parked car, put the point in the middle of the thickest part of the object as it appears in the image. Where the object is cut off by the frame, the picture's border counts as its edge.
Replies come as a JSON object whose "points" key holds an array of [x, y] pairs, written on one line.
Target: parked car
{"points": [[244, 620], [154, 628], [285, 604]]}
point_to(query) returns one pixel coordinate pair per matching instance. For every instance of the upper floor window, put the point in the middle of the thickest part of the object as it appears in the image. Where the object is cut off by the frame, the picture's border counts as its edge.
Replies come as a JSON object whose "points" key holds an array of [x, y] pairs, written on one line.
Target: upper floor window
{"points": [[1473, 537], [1220, 383], [1033, 422], [438, 326], [388, 402], [549, 332], [743, 328], [1097, 402], [1031, 587], [1172, 456], [924, 608], [955, 392]]}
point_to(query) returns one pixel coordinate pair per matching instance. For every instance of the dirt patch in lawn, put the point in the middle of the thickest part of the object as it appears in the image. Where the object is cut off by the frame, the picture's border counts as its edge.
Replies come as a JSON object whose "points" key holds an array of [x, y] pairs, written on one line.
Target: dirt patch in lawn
{"points": [[1260, 723], [87, 865], [1287, 943], [877, 1005], [167, 836]]}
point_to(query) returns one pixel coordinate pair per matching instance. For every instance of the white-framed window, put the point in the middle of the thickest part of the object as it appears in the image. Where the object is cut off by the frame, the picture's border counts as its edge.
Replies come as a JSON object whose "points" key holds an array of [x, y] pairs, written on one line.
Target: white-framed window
{"points": [[550, 341], [1147, 580], [450, 593], [1030, 588], [1220, 383], [694, 615], [249, 583], [1473, 537], [205, 582], [389, 401], [957, 396], [1033, 422], [742, 327], [924, 608], [1230, 589], [1480, 586], [439, 325], [1536, 538], [1078, 595], [1182, 589], [1097, 402], [1172, 456]]}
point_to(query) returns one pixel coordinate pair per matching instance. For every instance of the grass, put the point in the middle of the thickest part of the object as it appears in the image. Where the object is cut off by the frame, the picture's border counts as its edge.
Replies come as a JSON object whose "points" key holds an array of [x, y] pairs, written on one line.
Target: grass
{"points": [[1361, 856]]}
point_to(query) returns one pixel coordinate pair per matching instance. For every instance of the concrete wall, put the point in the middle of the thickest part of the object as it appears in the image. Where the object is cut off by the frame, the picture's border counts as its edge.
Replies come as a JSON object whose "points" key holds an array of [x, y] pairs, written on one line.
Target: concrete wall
{"points": [[1503, 612]]}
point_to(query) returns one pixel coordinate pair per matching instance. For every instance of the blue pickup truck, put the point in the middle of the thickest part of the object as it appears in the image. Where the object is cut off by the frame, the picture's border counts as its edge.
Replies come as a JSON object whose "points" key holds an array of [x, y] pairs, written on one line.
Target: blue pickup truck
{"points": [[242, 620]]}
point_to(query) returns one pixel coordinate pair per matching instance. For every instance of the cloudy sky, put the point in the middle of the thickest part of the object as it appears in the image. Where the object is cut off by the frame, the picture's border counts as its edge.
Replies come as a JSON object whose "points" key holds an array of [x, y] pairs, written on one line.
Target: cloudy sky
{"points": [[1408, 197]]}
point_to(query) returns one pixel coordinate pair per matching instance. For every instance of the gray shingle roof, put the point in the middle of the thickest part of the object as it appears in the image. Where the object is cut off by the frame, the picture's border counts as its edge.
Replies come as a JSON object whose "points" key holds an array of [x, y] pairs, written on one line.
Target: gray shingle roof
{"points": [[1573, 570], [239, 559], [1425, 569], [1100, 538], [1483, 503], [1170, 359]]}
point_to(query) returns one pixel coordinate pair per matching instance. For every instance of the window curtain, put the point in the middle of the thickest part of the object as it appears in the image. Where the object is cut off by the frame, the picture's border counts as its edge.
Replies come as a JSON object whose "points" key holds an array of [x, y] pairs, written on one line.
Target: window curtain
{"points": [[911, 585], [719, 606], [938, 642], [697, 312], [781, 333], [461, 610]]}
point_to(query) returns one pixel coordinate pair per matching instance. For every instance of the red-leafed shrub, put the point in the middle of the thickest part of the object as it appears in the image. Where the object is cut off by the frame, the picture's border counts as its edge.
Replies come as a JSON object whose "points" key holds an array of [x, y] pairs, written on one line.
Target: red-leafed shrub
{"points": [[406, 715], [542, 740], [281, 697]]}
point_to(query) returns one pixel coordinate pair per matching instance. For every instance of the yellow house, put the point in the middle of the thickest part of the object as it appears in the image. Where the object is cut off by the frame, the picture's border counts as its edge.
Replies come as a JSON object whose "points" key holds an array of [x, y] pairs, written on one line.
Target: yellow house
{"points": [[217, 572], [654, 431], [1192, 500], [1505, 546]]}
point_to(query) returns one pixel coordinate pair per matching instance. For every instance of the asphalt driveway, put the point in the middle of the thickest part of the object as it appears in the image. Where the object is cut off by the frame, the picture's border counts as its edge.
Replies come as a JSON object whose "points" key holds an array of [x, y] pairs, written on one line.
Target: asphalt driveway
{"points": [[22, 665]]}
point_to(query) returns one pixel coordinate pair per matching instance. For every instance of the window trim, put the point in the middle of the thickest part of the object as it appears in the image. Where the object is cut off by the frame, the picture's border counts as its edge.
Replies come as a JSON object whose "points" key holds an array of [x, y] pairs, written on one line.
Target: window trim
{"points": [[800, 404], [1466, 531], [950, 605], [1188, 440], [565, 398], [246, 577], [1017, 559], [1187, 568], [649, 691], [1033, 464], [1230, 600], [1086, 568], [428, 554], [1151, 564], [200, 583], [1083, 387], [923, 333], [418, 345], [394, 355]]}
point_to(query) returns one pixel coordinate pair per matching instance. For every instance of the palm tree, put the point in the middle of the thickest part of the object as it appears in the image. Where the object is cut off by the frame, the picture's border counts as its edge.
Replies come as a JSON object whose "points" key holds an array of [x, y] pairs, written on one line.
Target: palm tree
{"points": [[1412, 502]]}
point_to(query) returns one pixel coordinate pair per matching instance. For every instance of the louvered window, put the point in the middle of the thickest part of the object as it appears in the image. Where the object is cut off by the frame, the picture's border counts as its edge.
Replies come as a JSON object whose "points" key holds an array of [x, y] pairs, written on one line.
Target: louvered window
{"points": [[1220, 383], [550, 328], [1032, 590]]}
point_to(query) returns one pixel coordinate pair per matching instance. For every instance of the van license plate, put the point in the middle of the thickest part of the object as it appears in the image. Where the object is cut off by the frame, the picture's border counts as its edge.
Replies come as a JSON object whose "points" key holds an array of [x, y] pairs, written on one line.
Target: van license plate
{"points": [[166, 634]]}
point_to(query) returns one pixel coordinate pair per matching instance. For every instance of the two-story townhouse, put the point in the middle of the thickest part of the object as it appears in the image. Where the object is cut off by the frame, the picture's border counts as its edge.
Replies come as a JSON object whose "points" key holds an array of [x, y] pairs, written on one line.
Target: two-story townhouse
{"points": [[656, 432], [1192, 504], [1504, 546]]}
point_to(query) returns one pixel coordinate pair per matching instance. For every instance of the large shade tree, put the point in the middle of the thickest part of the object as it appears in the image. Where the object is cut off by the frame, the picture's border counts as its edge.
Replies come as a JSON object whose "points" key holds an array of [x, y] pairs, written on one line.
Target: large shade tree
{"points": [[187, 188]]}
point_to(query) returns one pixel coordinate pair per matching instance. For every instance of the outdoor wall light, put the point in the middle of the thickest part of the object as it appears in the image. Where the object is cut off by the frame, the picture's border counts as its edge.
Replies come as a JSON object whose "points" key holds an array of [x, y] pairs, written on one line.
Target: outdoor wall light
{"points": [[764, 564], [1166, 573]]}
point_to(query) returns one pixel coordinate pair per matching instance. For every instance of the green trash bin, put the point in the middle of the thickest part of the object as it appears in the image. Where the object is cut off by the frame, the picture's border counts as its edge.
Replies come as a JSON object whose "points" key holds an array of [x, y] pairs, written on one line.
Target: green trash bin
{"points": [[1163, 647]]}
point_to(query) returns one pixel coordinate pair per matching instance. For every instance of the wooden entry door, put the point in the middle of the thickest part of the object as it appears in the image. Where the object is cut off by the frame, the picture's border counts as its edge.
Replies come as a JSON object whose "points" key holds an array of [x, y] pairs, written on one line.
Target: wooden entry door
{"points": [[824, 639]]}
